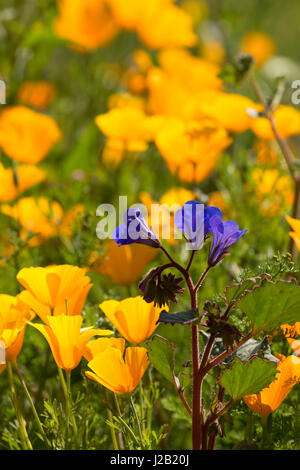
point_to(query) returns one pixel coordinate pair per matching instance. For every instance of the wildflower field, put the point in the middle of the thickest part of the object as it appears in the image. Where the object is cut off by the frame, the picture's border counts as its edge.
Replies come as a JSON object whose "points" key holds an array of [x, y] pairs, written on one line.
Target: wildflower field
{"points": [[149, 225]]}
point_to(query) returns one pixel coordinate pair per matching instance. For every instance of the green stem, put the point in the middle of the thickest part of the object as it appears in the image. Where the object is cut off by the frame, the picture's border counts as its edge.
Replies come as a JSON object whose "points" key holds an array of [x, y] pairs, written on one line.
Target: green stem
{"points": [[23, 432], [266, 422], [119, 435], [33, 408], [137, 420], [70, 402]]}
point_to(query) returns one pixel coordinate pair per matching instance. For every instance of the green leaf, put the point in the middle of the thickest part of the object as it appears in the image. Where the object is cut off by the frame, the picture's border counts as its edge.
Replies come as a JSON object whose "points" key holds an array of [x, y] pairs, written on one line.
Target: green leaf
{"points": [[161, 354], [236, 291], [272, 304], [245, 378], [245, 352], [179, 317]]}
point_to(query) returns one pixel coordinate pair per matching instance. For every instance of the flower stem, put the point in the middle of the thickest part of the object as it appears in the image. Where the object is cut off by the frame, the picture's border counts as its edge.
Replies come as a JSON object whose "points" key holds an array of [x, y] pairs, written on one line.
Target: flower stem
{"points": [[119, 435], [33, 408], [23, 432], [137, 420]]}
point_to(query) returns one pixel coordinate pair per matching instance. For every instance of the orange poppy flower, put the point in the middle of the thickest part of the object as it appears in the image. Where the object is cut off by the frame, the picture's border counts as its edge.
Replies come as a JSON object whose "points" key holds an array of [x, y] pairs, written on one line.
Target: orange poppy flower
{"points": [[260, 45], [38, 94], [27, 136], [192, 149], [15, 181], [287, 121], [54, 289], [270, 398], [295, 235], [134, 318], [133, 259], [14, 315], [97, 346], [119, 375], [88, 24], [66, 338]]}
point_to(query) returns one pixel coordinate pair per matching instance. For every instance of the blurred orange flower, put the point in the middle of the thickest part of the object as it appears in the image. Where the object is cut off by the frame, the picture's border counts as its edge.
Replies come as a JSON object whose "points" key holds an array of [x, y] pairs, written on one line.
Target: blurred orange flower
{"points": [[134, 318], [158, 23], [89, 24], [273, 191], [37, 94], [287, 121], [133, 259], [269, 399], [119, 375], [25, 135], [260, 45], [230, 110], [267, 153], [66, 338], [54, 290], [295, 235], [13, 317], [42, 217], [192, 149], [14, 181]]}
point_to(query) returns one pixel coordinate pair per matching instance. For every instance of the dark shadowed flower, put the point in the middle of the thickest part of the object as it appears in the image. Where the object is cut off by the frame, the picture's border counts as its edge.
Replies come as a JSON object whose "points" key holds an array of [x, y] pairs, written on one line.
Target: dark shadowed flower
{"points": [[224, 235], [135, 230], [194, 221]]}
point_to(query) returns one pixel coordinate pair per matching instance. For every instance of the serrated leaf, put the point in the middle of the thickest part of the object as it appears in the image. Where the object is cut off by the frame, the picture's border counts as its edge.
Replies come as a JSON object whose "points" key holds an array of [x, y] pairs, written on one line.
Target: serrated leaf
{"points": [[161, 354], [271, 305], [246, 378], [235, 291], [184, 318]]}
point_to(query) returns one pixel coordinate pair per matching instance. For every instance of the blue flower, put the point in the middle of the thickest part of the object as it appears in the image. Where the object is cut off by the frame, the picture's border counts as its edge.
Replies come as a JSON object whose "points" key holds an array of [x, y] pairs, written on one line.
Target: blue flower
{"points": [[224, 235], [194, 221], [135, 230]]}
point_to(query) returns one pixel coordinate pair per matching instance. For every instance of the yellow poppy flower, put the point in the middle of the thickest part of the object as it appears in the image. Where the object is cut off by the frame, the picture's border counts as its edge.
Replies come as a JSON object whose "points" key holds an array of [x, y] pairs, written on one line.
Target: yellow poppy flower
{"points": [[230, 110], [270, 398], [25, 135], [134, 318], [42, 217], [13, 317], [295, 224], [193, 73], [38, 94], [97, 346], [119, 375], [66, 338], [54, 290], [260, 45], [88, 24], [192, 149], [173, 26], [125, 125], [15, 181], [287, 121], [133, 259]]}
